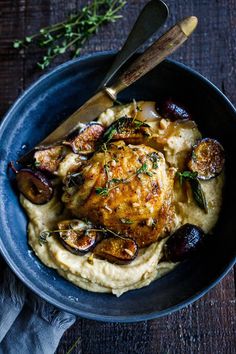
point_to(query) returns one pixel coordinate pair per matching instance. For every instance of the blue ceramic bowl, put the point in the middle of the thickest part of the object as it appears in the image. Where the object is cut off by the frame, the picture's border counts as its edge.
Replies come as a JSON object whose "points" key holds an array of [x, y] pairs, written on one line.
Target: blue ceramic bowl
{"points": [[39, 110]]}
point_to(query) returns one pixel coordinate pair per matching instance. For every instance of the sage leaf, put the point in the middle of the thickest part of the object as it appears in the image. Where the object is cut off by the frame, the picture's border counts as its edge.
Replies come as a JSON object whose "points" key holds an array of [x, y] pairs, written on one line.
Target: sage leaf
{"points": [[198, 194]]}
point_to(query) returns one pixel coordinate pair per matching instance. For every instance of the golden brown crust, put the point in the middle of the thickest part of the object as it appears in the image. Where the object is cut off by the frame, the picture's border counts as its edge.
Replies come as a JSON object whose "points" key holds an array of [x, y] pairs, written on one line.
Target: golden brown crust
{"points": [[125, 191]]}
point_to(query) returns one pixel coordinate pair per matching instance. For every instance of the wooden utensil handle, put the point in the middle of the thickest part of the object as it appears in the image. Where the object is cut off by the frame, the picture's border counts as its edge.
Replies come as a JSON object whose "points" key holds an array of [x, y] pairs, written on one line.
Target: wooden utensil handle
{"points": [[151, 18], [154, 55]]}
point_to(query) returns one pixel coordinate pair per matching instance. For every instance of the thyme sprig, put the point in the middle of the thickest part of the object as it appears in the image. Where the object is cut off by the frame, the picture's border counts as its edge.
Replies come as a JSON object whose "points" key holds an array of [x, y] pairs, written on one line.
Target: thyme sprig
{"points": [[72, 33], [74, 345], [43, 236], [117, 127], [104, 191]]}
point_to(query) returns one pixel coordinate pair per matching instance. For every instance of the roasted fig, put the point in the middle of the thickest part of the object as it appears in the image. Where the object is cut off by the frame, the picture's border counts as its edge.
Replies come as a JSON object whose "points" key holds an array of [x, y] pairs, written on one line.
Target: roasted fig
{"points": [[174, 110], [34, 186], [129, 129], [207, 159], [77, 236], [49, 159], [85, 141], [183, 243], [117, 250]]}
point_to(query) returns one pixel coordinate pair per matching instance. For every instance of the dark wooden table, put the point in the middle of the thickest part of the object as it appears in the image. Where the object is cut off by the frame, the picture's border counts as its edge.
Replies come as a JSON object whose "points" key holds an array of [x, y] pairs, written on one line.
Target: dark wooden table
{"points": [[207, 326]]}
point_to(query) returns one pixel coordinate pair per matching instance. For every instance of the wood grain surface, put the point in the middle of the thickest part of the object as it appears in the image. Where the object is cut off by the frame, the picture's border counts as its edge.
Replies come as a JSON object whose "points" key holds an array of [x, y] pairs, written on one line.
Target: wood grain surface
{"points": [[208, 325]]}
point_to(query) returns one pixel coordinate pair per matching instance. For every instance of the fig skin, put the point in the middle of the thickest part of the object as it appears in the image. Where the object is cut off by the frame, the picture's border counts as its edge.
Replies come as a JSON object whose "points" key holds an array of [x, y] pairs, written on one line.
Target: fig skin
{"points": [[48, 159], [207, 159], [34, 186], [78, 241], [174, 110], [117, 250], [183, 243], [85, 140]]}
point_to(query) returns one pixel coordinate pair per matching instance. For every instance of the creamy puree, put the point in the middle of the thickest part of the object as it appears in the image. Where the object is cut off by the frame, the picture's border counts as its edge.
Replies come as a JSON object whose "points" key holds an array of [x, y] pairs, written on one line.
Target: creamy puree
{"points": [[100, 275]]}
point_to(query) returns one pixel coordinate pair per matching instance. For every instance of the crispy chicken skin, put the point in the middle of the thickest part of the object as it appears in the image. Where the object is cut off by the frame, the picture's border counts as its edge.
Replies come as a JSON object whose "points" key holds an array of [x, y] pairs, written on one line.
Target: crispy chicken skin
{"points": [[126, 189]]}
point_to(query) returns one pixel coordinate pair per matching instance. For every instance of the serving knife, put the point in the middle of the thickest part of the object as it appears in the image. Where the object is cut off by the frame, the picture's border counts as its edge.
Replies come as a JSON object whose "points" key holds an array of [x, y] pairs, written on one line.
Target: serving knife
{"points": [[150, 19], [105, 98]]}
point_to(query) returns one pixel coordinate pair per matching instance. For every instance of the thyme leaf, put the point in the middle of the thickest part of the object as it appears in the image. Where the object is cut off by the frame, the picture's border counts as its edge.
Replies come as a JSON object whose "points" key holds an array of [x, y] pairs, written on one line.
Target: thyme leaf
{"points": [[139, 124], [149, 173], [142, 169], [126, 221], [154, 157], [110, 134], [36, 163], [117, 180], [102, 191]]}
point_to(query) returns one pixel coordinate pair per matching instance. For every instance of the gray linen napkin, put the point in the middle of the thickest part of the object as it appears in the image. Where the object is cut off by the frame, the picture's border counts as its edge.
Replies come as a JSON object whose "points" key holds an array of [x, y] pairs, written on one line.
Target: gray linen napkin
{"points": [[28, 324]]}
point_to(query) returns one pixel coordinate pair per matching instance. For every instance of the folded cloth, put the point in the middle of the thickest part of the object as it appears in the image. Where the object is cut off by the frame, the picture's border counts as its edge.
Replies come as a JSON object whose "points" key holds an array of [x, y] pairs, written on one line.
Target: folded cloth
{"points": [[28, 324]]}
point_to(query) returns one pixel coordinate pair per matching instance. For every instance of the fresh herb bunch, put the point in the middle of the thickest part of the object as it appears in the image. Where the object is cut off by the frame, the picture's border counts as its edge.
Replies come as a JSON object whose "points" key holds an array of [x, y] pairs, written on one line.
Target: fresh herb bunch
{"points": [[72, 33]]}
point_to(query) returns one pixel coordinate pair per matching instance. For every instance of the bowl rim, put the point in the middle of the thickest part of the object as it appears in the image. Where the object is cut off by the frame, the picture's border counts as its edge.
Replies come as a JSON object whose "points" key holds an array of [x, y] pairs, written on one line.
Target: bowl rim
{"points": [[32, 286]]}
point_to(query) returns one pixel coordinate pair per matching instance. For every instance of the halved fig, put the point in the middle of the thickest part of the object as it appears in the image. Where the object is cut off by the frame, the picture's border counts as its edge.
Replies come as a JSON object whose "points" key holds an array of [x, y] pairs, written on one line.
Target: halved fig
{"points": [[174, 110], [77, 236], [48, 159], [34, 186], [183, 243], [117, 250], [85, 141], [207, 159], [129, 129]]}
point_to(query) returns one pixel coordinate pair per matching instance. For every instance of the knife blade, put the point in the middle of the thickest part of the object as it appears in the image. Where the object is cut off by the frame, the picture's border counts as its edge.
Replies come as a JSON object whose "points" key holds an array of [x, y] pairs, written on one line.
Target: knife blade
{"points": [[87, 112]]}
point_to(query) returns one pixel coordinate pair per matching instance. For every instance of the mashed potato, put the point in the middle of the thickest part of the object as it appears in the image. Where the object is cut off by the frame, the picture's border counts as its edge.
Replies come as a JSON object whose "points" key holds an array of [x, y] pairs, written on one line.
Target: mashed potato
{"points": [[172, 142]]}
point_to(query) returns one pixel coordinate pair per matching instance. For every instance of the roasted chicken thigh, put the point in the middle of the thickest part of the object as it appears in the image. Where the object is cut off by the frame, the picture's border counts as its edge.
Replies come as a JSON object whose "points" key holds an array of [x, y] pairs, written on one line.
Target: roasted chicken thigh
{"points": [[126, 189]]}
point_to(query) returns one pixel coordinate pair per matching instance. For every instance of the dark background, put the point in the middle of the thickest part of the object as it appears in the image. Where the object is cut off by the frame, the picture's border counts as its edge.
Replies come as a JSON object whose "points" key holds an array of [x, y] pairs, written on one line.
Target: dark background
{"points": [[207, 326]]}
